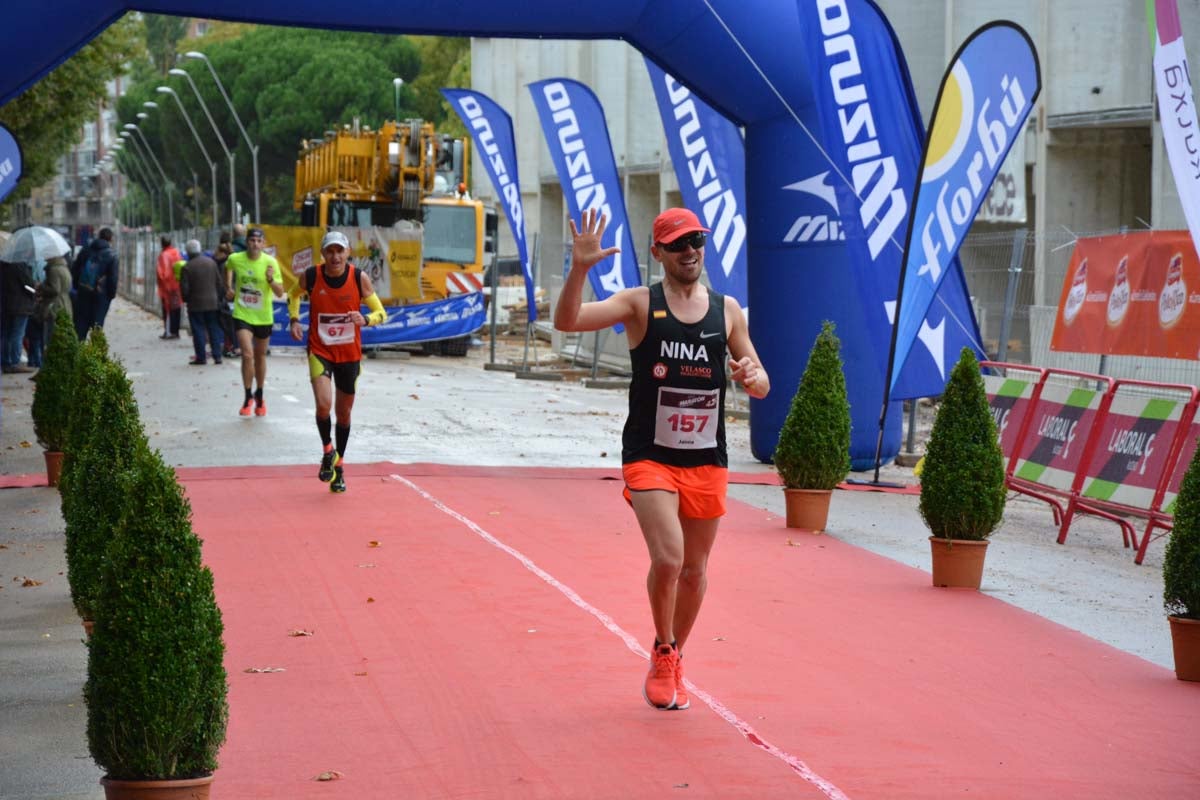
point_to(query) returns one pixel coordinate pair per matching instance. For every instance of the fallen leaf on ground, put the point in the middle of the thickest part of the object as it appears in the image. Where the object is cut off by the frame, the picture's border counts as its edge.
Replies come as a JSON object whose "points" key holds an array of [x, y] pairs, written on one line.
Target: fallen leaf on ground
{"points": [[30, 582], [328, 775], [366, 566], [790, 543], [414, 397], [370, 599], [373, 543], [360, 674], [299, 632], [26, 444], [264, 669], [718, 638]]}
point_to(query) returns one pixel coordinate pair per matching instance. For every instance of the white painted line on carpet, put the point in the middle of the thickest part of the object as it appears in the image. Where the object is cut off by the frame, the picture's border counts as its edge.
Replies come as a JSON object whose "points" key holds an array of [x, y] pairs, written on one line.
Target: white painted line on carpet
{"points": [[743, 727]]}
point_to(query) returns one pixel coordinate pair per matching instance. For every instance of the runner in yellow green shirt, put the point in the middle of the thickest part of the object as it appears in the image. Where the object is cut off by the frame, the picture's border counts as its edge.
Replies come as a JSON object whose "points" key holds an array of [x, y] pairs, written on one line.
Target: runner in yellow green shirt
{"points": [[250, 279]]}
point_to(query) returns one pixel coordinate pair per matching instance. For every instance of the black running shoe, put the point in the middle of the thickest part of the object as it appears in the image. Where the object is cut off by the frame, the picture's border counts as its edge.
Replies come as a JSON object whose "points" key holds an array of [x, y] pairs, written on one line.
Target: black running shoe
{"points": [[328, 462], [339, 481]]}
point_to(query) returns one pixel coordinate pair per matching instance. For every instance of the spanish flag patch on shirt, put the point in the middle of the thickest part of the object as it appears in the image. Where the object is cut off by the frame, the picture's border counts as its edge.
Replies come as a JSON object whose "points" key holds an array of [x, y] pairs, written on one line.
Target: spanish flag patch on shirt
{"points": [[660, 314]]}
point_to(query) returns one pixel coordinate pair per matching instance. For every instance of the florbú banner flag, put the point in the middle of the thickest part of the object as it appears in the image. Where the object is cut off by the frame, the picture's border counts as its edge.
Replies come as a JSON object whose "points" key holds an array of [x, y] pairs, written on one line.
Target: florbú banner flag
{"points": [[985, 97], [10, 162], [1176, 106], [577, 135], [710, 165], [491, 127]]}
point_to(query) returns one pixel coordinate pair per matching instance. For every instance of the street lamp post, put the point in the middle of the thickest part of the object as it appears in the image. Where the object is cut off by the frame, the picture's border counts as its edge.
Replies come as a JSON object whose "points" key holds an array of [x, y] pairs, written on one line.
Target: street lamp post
{"points": [[220, 139], [253, 147], [195, 179], [397, 83], [212, 165], [129, 126], [134, 169]]}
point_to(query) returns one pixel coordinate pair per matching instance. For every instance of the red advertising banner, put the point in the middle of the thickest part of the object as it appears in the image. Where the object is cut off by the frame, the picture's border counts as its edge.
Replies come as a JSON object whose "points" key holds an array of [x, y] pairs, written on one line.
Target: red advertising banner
{"points": [[1134, 294]]}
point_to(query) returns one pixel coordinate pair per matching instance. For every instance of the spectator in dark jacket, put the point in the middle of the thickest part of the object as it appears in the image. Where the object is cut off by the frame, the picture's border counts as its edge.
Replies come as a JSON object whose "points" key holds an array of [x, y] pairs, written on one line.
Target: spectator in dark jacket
{"points": [[92, 302], [203, 287], [16, 306]]}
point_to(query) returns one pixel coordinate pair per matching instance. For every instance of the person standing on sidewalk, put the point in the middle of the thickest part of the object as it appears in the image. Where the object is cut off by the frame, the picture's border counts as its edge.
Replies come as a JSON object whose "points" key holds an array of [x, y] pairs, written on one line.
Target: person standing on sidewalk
{"points": [[250, 278], [168, 288], [336, 292], [94, 274], [673, 448], [203, 289], [17, 304]]}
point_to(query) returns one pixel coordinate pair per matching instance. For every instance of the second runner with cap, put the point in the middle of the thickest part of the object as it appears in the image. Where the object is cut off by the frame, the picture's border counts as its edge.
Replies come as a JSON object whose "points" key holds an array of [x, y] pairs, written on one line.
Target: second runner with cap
{"points": [[336, 290]]}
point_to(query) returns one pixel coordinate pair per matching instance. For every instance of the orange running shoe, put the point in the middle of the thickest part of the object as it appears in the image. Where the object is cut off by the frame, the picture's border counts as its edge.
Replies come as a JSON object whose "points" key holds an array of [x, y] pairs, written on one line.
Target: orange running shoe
{"points": [[659, 689], [261, 410], [682, 700], [247, 408]]}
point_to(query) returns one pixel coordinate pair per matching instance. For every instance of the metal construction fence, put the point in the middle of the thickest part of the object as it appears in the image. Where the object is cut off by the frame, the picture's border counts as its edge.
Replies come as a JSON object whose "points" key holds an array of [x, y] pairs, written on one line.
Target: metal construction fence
{"points": [[138, 253]]}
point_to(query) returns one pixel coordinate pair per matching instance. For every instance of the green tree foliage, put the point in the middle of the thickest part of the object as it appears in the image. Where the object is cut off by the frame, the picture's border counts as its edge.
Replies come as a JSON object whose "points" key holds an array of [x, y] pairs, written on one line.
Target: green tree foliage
{"points": [[105, 436], [814, 443], [1181, 561], [54, 386], [288, 85], [962, 482], [162, 34], [156, 687], [444, 63], [47, 118]]}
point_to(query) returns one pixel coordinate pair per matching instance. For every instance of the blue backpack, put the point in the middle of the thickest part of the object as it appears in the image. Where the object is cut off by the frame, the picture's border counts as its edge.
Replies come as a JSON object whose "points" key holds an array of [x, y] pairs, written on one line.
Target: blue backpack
{"points": [[89, 276]]}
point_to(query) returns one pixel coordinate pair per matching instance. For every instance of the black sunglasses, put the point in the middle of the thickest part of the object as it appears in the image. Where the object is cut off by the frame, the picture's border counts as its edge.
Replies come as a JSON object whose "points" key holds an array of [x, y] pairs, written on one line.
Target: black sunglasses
{"points": [[695, 240]]}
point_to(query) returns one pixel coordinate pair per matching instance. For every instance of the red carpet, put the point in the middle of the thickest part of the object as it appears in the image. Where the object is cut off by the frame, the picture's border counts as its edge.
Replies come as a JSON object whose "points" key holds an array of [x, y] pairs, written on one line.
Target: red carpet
{"points": [[483, 650]]}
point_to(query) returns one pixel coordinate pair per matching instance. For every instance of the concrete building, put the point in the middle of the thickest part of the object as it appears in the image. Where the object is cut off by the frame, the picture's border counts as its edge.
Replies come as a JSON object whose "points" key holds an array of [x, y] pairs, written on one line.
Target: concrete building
{"points": [[1093, 155], [82, 197]]}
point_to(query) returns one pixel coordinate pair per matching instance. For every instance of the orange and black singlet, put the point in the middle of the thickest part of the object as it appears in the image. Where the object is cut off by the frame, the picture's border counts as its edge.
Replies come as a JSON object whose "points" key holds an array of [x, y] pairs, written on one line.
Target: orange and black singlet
{"points": [[677, 393], [332, 335]]}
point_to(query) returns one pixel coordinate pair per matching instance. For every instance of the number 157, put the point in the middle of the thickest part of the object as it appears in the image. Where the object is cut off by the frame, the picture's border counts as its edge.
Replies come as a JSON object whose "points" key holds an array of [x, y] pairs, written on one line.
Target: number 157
{"points": [[687, 423]]}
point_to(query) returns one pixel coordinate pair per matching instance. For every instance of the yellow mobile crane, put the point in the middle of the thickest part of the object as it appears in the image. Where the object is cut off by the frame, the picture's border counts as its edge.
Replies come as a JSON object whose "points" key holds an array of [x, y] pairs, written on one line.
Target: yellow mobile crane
{"points": [[402, 171]]}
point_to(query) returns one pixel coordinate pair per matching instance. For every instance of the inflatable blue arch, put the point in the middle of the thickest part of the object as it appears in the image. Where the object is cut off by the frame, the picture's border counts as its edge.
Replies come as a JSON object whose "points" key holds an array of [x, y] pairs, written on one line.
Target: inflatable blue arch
{"points": [[745, 57]]}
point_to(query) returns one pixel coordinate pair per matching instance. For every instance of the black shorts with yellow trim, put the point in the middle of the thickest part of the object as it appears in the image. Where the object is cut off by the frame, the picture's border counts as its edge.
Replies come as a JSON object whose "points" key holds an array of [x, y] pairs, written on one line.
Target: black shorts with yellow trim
{"points": [[345, 374]]}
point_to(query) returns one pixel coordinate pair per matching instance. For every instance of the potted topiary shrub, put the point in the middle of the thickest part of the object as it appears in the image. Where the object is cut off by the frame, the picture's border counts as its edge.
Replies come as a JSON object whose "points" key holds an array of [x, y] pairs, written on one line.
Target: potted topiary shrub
{"points": [[104, 434], [1181, 576], [54, 390], [813, 453], [962, 481], [156, 688]]}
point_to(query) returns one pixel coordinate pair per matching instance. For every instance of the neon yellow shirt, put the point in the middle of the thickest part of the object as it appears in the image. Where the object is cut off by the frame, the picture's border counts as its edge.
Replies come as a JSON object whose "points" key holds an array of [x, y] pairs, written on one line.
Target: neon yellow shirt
{"points": [[252, 302]]}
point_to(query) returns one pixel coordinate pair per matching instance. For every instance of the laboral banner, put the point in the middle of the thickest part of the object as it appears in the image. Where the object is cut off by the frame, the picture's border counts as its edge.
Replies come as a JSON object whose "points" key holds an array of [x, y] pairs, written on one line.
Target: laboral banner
{"points": [[492, 128], [985, 97], [577, 134], [1134, 294], [709, 157], [1009, 399], [1053, 448], [391, 257], [428, 322], [10, 162], [1176, 106]]}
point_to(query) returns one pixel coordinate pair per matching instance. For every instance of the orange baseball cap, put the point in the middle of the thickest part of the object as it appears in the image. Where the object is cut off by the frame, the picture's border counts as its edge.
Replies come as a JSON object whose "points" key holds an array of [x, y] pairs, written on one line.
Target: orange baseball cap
{"points": [[675, 222]]}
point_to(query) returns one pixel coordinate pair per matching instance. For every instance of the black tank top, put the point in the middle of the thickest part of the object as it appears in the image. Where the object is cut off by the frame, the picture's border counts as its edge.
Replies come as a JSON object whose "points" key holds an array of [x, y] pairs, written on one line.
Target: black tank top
{"points": [[677, 395]]}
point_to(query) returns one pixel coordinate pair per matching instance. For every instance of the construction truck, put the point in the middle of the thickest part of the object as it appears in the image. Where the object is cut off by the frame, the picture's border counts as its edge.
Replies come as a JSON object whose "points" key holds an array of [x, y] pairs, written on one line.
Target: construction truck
{"points": [[404, 171]]}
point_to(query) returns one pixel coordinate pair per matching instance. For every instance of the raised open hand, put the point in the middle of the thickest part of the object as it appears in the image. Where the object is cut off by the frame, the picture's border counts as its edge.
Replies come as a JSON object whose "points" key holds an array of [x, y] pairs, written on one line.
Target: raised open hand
{"points": [[586, 251]]}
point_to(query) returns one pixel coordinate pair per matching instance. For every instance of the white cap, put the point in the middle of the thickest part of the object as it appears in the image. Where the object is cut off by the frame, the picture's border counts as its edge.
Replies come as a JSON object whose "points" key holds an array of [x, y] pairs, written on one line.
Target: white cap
{"points": [[335, 237]]}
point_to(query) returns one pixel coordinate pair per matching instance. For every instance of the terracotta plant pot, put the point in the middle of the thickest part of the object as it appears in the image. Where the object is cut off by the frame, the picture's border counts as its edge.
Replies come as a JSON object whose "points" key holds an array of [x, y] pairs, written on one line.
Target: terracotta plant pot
{"points": [[54, 461], [88, 626], [807, 509], [188, 789], [957, 563], [1185, 641]]}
